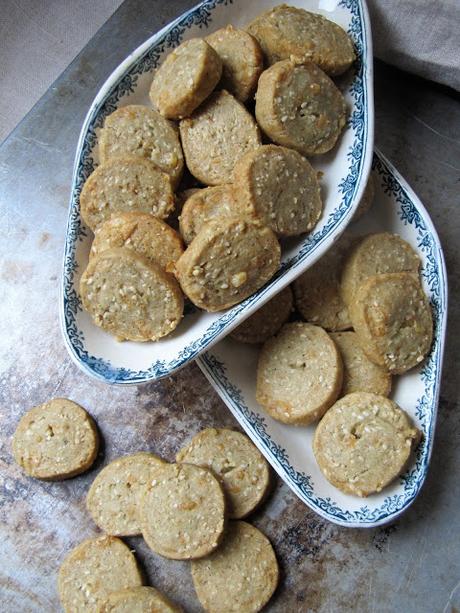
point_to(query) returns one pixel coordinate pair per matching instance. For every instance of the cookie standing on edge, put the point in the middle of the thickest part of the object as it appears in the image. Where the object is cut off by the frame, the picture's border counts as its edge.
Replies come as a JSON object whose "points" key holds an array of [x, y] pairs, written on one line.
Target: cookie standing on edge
{"points": [[280, 187], [242, 60], [240, 576], [92, 570], [56, 440], [218, 133], [227, 261], [298, 106], [141, 599], [299, 374], [183, 513], [130, 297], [113, 499], [236, 462], [185, 78], [363, 443], [137, 130]]}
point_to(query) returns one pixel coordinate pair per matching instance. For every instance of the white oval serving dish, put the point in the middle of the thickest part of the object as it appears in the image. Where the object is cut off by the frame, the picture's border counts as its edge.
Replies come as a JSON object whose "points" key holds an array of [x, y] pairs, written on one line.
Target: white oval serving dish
{"points": [[231, 368], [345, 173]]}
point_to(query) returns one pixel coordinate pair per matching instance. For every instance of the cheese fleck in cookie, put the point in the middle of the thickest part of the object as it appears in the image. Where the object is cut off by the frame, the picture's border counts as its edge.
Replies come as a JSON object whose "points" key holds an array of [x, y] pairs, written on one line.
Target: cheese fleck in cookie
{"points": [[359, 373], [280, 187], [392, 318], [138, 600], [56, 440], [93, 570], [238, 464], [242, 60], [141, 233], [267, 321], [130, 297], [183, 513], [114, 496], [363, 443], [218, 133], [299, 374], [240, 576], [141, 131], [186, 77], [298, 106], [227, 261], [286, 31]]}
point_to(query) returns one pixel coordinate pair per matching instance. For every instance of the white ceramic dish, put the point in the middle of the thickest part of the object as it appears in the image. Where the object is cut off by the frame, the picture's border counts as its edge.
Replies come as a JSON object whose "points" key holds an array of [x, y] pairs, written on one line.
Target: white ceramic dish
{"points": [[345, 173], [231, 368]]}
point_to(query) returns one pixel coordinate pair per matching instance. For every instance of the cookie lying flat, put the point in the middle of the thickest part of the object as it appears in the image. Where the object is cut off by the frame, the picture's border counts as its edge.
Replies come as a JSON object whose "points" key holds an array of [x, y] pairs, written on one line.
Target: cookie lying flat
{"points": [[299, 374], [366, 200], [242, 60], [130, 297], [205, 205], [267, 321], [227, 261], [94, 569], [363, 443], [236, 462], [186, 78], [56, 440], [285, 31], [114, 496], [359, 373], [317, 291], [376, 254], [240, 576], [141, 233], [141, 131], [298, 106], [392, 318], [125, 185], [138, 600], [216, 136], [183, 513], [280, 187]]}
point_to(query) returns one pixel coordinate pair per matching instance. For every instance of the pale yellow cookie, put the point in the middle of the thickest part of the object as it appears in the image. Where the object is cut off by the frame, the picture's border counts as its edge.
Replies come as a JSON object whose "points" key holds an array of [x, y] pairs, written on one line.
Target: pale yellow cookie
{"points": [[138, 600], [56, 440], [363, 443]]}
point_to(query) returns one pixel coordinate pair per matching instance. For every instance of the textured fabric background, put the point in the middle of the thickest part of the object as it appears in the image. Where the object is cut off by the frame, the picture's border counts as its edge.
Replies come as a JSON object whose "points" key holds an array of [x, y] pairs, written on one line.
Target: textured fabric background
{"points": [[39, 38]]}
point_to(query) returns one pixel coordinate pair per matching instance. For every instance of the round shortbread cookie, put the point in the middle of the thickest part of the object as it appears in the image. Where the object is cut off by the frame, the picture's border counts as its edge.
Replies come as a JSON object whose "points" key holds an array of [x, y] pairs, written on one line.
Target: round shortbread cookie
{"points": [[130, 297], [376, 254], [216, 136], [114, 496], [125, 185], [363, 443], [205, 205], [141, 599], [359, 373], [236, 462], [242, 60], [140, 232], [366, 199], [392, 318], [288, 32], [92, 570], [240, 576], [298, 106], [280, 187], [317, 291], [56, 440], [183, 512], [185, 78], [267, 321], [299, 374], [227, 261], [140, 131]]}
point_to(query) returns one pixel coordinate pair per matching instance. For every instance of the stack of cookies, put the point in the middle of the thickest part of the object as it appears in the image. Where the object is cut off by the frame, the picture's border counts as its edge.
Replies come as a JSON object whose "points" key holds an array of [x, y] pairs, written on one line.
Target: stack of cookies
{"points": [[247, 196]]}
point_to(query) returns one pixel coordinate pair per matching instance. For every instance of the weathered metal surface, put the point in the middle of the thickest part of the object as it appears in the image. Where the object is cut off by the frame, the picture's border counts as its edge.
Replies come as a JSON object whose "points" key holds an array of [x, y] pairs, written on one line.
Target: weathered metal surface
{"points": [[411, 566]]}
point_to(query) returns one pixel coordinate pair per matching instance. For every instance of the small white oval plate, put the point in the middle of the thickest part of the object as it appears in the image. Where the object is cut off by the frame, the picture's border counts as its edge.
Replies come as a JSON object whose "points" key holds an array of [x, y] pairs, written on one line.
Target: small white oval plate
{"points": [[345, 173], [231, 369]]}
